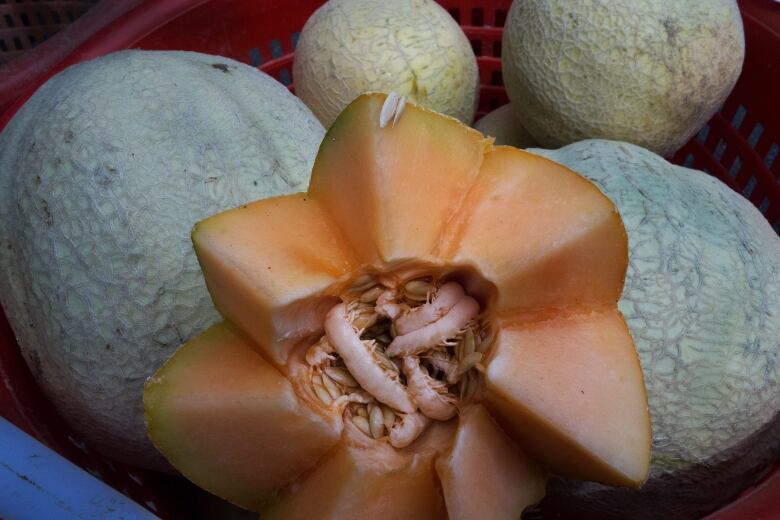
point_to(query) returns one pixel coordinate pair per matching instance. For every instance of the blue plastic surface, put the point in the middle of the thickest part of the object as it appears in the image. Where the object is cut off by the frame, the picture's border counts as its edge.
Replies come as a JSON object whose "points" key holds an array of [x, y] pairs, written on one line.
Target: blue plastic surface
{"points": [[37, 483]]}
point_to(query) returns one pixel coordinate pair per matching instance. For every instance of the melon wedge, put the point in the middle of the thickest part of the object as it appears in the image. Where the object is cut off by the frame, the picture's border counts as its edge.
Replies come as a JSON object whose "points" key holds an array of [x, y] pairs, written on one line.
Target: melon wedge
{"points": [[484, 475], [230, 422], [545, 235], [370, 480], [394, 190], [266, 266], [570, 390]]}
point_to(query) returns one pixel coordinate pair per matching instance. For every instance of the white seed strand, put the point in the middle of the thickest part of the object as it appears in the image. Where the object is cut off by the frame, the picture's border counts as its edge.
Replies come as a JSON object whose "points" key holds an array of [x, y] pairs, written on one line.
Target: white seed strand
{"points": [[362, 424], [399, 110], [322, 394], [331, 387], [469, 362], [388, 109], [376, 421], [341, 376], [388, 416]]}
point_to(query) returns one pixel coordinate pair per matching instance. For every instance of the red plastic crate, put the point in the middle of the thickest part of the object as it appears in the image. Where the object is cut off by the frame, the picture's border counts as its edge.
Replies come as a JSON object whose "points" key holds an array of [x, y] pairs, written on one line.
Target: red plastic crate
{"points": [[740, 145]]}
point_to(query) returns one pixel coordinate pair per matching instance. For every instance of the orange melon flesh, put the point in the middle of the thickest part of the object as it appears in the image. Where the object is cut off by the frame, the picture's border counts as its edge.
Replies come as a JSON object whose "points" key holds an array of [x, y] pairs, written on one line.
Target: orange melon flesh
{"points": [[485, 475], [369, 479], [570, 391], [230, 422], [266, 264], [393, 191], [546, 236]]}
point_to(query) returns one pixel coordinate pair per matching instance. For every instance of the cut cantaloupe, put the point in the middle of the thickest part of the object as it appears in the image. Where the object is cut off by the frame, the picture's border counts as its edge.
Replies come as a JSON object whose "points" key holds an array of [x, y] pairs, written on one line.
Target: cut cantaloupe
{"points": [[424, 271], [570, 389], [228, 420], [484, 475], [394, 190], [275, 294]]}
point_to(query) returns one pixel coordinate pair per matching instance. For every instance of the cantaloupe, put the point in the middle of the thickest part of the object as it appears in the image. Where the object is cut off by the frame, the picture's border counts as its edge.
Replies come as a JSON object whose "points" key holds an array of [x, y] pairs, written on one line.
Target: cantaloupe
{"points": [[412, 47], [650, 72], [702, 301], [504, 125], [103, 173], [422, 270]]}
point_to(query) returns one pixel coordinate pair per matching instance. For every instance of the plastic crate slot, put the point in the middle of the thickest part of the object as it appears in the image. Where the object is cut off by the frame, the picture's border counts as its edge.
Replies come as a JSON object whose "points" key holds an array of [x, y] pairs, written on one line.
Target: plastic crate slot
{"points": [[285, 77], [255, 58], [477, 17], [749, 187], [3, 47], [703, 133], [476, 45], [496, 78], [736, 166], [497, 49], [719, 149], [56, 17], [739, 116], [9, 20], [40, 17], [771, 155], [764, 205], [69, 14], [18, 43], [294, 39], [755, 135], [455, 13], [500, 17], [276, 49], [25, 19], [32, 40]]}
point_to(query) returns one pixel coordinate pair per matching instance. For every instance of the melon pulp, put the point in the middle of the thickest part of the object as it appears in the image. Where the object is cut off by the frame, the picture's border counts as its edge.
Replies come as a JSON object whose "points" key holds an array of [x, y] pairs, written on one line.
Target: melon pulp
{"points": [[482, 453], [224, 402], [417, 272]]}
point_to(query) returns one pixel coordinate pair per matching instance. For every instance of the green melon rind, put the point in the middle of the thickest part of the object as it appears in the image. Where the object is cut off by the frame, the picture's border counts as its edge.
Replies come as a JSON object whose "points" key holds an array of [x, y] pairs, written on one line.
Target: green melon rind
{"points": [[702, 300], [103, 173]]}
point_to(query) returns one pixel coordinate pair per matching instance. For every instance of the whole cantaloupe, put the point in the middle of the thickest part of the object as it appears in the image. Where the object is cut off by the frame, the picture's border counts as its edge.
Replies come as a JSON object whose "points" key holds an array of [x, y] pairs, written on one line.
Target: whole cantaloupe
{"points": [[504, 126], [702, 300], [103, 173], [412, 47], [650, 72]]}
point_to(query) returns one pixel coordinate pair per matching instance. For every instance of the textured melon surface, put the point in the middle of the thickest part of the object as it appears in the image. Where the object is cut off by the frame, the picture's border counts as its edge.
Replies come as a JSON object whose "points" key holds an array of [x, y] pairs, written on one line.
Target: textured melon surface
{"points": [[240, 415], [412, 47], [650, 72], [485, 475], [702, 300], [103, 173], [503, 124]]}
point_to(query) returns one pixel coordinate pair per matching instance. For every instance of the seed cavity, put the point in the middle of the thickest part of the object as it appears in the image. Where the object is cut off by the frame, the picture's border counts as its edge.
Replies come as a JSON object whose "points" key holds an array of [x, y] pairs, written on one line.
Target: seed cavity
{"points": [[396, 356]]}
